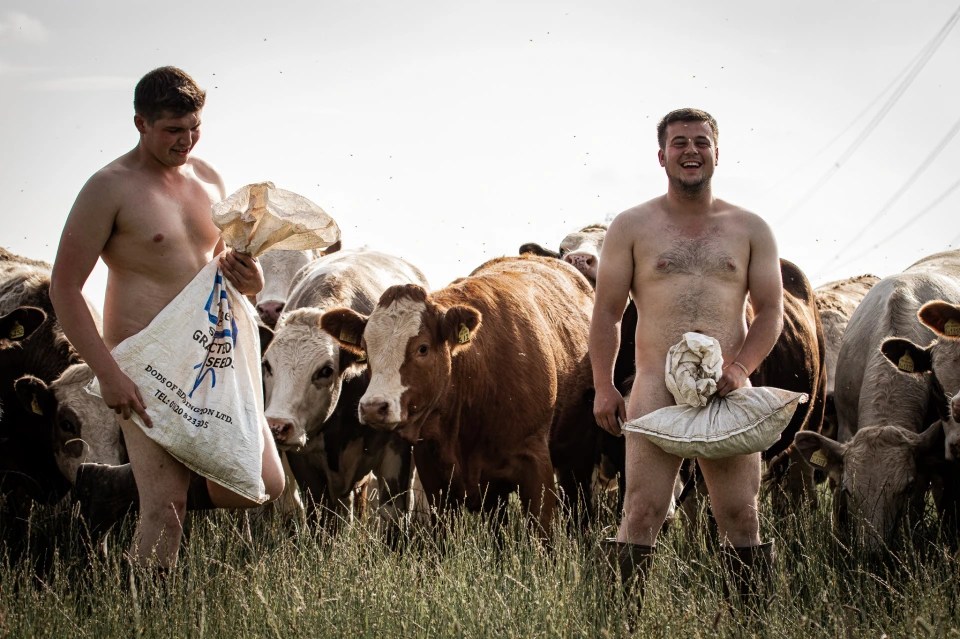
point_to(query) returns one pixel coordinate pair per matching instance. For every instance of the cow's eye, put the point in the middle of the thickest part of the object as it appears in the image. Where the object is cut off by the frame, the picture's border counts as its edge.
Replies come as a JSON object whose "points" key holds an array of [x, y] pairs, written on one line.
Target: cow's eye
{"points": [[422, 350], [67, 425], [267, 370], [322, 373]]}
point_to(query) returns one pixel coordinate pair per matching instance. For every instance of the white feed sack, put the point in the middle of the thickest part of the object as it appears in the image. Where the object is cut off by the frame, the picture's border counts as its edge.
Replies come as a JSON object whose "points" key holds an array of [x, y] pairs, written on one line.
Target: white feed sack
{"points": [[197, 364], [748, 420]]}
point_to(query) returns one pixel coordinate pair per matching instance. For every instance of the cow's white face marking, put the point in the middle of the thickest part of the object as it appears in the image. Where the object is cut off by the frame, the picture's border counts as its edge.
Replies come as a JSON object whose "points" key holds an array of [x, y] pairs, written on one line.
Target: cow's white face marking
{"points": [[303, 383], [387, 334]]}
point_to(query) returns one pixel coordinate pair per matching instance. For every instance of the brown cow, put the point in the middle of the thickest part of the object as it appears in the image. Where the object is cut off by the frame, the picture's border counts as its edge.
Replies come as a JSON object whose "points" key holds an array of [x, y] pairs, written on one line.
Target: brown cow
{"points": [[836, 302], [488, 378]]}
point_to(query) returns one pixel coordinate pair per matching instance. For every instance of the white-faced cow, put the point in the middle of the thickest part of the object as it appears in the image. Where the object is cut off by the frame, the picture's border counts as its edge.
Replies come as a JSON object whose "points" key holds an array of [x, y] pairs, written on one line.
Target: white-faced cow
{"points": [[312, 386], [836, 302], [280, 270], [888, 452], [488, 378]]}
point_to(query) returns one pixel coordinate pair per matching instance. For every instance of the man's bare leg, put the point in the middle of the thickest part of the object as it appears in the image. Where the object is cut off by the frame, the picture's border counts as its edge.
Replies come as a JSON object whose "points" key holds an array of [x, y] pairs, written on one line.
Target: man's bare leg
{"points": [[162, 483], [649, 488], [733, 484]]}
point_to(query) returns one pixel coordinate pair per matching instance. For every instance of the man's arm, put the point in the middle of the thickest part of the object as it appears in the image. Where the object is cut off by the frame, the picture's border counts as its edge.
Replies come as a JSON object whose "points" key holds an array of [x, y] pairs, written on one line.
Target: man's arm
{"points": [[614, 277], [765, 286], [85, 233]]}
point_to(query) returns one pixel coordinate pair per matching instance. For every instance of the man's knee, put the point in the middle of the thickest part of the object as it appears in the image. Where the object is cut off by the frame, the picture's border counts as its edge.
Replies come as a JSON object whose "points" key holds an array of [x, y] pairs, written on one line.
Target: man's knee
{"points": [[740, 520], [167, 515], [644, 514]]}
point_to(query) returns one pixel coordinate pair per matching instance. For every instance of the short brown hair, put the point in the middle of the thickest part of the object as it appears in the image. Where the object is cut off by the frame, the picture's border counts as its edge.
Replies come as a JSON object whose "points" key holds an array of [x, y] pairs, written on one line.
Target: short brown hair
{"points": [[686, 115], [167, 89]]}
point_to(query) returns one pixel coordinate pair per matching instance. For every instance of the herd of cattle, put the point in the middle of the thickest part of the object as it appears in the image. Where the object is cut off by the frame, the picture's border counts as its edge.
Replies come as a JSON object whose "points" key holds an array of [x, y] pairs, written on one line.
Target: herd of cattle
{"points": [[483, 388]]}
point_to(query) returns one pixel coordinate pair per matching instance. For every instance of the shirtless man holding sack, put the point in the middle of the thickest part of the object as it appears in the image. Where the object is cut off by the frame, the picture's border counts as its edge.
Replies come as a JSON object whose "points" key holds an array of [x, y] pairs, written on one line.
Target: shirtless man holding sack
{"points": [[688, 260], [148, 215]]}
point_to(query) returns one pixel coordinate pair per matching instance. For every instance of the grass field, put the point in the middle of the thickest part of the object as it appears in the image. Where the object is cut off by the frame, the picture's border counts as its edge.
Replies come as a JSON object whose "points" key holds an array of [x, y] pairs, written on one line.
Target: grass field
{"points": [[243, 578]]}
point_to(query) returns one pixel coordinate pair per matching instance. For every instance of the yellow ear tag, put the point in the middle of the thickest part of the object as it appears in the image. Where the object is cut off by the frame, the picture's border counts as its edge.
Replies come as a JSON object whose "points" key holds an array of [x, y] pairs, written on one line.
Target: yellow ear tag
{"points": [[463, 335], [16, 331], [35, 406], [362, 359], [906, 363], [818, 459], [951, 328], [349, 337]]}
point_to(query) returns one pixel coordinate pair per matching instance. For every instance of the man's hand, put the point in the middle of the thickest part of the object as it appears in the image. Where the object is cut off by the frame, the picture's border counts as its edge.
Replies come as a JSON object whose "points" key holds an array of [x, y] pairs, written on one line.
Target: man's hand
{"points": [[243, 271], [123, 396], [609, 410], [734, 377]]}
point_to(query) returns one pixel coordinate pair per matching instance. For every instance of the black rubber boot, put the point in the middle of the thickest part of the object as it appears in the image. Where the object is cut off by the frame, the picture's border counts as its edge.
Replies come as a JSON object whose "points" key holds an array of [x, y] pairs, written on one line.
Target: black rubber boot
{"points": [[632, 563], [750, 571]]}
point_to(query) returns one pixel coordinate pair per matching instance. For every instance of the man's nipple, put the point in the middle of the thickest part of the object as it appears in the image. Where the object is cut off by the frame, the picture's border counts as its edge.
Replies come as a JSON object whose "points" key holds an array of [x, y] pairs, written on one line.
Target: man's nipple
{"points": [[158, 237]]}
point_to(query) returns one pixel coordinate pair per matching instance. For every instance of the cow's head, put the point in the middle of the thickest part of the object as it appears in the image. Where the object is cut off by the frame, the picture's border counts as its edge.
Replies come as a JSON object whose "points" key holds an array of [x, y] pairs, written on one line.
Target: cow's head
{"points": [[83, 428], [303, 373], [879, 475], [410, 343], [279, 268], [581, 249], [941, 358]]}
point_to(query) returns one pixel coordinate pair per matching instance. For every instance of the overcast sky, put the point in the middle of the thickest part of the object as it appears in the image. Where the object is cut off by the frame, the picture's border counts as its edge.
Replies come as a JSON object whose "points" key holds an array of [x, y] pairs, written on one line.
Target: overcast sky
{"points": [[452, 132]]}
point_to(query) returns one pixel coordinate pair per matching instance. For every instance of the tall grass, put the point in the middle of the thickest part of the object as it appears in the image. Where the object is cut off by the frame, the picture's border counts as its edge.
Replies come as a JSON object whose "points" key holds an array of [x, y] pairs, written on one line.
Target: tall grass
{"points": [[239, 577]]}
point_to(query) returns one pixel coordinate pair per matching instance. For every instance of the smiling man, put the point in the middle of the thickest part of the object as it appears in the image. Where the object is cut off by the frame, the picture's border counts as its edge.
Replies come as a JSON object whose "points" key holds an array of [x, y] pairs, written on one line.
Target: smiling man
{"points": [[688, 259], [148, 215]]}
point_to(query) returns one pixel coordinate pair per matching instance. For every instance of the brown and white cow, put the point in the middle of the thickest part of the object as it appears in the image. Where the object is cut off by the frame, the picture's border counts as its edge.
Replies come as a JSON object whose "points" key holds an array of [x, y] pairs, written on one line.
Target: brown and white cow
{"points": [[836, 302], [312, 386], [280, 269], [891, 440], [488, 378]]}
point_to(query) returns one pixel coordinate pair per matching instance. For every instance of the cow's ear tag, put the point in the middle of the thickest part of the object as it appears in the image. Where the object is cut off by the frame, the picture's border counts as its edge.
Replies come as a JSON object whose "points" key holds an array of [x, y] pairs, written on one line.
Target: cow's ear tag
{"points": [[463, 334], [818, 459], [905, 363], [951, 328], [35, 406], [349, 337], [16, 331], [362, 359]]}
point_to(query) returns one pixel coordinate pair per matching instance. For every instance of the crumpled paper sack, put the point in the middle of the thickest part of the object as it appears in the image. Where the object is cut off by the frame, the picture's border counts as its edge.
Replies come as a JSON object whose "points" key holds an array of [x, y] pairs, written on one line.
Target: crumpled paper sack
{"points": [[748, 420], [258, 217]]}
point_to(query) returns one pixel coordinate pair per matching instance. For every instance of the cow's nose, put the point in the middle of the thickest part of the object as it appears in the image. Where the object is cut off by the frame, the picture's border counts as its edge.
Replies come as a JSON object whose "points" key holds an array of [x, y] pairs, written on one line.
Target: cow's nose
{"points": [[281, 429], [270, 312], [580, 260], [374, 411]]}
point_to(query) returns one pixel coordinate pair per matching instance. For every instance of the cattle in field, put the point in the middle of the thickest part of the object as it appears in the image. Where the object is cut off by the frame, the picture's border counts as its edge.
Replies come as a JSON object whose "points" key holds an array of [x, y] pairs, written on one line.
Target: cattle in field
{"points": [[836, 302], [279, 276], [312, 386], [27, 457], [888, 451], [488, 378], [581, 249]]}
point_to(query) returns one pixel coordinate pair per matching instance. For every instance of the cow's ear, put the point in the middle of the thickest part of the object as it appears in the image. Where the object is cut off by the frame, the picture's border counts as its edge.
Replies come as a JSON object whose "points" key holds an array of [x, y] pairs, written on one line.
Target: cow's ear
{"points": [[941, 317], [35, 396], [536, 249], [346, 326], [906, 356], [929, 448], [266, 336], [333, 248], [459, 326], [821, 452], [20, 323]]}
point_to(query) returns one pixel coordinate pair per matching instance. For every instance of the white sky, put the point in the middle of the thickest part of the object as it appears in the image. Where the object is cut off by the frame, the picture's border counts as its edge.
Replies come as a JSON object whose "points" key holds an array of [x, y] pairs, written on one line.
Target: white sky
{"points": [[451, 132]]}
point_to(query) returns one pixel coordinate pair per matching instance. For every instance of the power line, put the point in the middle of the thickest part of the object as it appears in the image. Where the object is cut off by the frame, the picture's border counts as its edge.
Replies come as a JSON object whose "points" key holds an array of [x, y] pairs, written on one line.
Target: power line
{"points": [[910, 221], [927, 162], [924, 57]]}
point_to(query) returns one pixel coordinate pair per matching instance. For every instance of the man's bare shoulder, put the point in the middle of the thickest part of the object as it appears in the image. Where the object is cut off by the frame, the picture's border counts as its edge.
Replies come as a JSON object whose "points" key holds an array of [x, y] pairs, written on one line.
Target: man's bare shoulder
{"points": [[749, 219], [207, 174], [639, 214]]}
